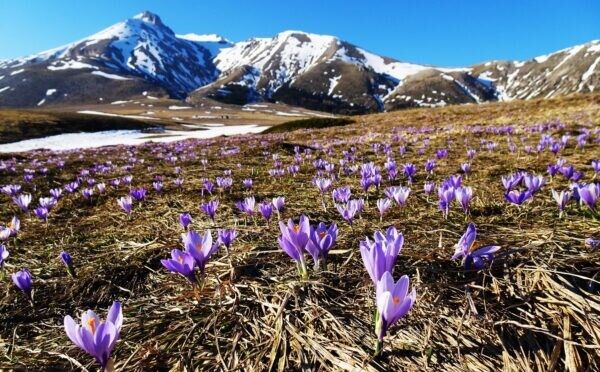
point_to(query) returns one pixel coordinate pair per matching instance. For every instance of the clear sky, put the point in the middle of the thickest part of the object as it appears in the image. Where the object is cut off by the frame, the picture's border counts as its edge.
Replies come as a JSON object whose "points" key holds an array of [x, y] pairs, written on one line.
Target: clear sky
{"points": [[442, 32]]}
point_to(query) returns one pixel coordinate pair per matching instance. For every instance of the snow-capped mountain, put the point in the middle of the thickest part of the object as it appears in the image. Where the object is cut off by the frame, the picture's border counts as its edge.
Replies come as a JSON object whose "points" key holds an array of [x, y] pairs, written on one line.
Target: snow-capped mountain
{"points": [[141, 55], [136, 55]]}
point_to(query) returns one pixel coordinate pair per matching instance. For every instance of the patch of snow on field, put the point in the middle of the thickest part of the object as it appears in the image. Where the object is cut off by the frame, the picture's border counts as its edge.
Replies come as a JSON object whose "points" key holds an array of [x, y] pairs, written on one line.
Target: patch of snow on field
{"points": [[281, 113], [90, 112], [71, 141], [50, 92], [3, 89], [110, 76], [175, 107], [17, 72]]}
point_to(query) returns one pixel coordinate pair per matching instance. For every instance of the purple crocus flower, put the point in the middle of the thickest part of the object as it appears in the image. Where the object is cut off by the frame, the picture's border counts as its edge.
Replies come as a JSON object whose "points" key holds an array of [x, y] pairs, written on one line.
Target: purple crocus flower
{"points": [[247, 206], [323, 184], [293, 240], [71, 187], [533, 183], [22, 201], [247, 183], [66, 259], [201, 247], [517, 197], [592, 243], [87, 193], [56, 193], [430, 166], [22, 279], [41, 213], [266, 210], [393, 303], [589, 195], [379, 255], [470, 252], [47, 203], [341, 194], [428, 187], [398, 193], [14, 226], [446, 196], [322, 238], [410, 170], [138, 194], [181, 263], [3, 255], [226, 237], [97, 337], [157, 185], [126, 204], [178, 182], [383, 205], [210, 208], [562, 199], [465, 167], [596, 167], [464, 195], [279, 203], [209, 186], [348, 210], [11, 190], [185, 219]]}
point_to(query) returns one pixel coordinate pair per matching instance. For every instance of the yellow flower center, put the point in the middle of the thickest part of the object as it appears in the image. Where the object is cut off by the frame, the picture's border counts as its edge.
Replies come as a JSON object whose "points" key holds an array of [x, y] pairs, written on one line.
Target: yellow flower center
{"points": [[474, 246], [296, 228], [91, 323], [396, 300], [322, 234]]}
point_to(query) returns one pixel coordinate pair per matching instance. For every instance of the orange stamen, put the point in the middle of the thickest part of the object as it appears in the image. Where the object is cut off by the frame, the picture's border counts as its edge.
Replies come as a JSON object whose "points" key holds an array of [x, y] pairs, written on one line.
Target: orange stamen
{"points": [[91, 323]]}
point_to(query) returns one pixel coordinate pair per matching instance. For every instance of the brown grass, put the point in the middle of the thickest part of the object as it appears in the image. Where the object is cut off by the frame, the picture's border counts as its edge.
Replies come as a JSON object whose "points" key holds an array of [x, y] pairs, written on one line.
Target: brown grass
{"points": [[536, 308]]}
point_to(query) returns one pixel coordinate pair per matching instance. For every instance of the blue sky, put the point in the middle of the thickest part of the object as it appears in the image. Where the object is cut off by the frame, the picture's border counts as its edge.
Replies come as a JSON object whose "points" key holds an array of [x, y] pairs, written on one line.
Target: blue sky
{"points": [[447, 33]]}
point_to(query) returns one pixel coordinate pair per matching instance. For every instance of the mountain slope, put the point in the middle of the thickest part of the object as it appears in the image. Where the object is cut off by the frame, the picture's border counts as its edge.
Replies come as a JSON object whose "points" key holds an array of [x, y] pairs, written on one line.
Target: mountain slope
{"points": [[128, 58], [142, 56], [575, 69]]}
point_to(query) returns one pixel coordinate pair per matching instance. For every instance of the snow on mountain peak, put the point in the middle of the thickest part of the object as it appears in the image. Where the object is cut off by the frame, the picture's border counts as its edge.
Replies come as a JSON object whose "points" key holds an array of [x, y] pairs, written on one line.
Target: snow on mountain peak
{"points": [[149, 17], [211, 38]]}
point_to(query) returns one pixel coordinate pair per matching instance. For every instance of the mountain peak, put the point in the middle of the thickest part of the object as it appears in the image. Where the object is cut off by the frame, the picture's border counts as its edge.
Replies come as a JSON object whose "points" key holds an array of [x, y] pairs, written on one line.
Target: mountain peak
{"points": [[149, 17]]}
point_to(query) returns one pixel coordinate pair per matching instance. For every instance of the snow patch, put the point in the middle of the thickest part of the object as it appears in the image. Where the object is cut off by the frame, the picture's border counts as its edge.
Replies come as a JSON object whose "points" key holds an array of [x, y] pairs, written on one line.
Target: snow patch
{"points": [[71, 141], [333, 82], [90, 112], [70, 65], [109, 76]]}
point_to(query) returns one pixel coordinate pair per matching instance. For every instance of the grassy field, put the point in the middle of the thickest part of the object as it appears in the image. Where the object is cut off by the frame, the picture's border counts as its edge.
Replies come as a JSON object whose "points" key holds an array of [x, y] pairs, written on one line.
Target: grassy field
{"points": [[537, 307]]}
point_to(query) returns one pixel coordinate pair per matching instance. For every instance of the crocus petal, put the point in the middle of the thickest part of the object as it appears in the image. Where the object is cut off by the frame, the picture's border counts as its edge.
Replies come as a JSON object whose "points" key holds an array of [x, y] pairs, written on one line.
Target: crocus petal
{"points": [[115, 314]]}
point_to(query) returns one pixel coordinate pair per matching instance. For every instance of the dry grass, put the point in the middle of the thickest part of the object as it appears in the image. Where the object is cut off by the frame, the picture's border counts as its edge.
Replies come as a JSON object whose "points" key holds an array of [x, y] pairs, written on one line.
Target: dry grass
{"points": [[536, 308]]}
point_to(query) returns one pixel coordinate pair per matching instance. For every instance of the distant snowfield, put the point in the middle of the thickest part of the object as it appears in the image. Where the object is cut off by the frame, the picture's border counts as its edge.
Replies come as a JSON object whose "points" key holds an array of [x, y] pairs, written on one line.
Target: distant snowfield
{"points": [[71, 141]]}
